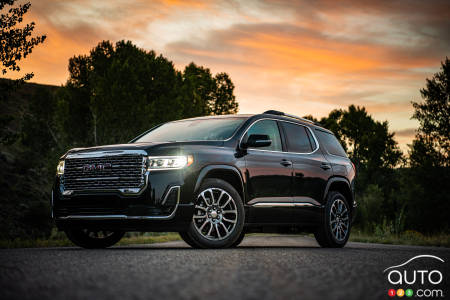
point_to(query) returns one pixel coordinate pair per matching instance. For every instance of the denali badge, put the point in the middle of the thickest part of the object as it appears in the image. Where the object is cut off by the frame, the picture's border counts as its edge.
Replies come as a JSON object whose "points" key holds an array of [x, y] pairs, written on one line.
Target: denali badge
{"points": [[96, 167]]}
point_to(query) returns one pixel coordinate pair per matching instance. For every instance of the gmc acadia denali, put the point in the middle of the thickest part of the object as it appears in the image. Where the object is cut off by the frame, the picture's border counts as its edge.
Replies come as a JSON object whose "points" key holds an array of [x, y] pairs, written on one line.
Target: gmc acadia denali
{"points": [[212, 179]]}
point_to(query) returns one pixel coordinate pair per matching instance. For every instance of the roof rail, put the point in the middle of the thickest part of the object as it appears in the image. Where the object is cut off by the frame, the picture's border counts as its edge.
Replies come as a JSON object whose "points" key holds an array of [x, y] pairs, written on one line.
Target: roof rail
{"points": [[280, 113]]}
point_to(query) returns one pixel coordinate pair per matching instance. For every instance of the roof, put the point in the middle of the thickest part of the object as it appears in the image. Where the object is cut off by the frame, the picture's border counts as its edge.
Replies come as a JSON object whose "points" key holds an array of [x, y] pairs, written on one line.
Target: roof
{"points": [[272, 113]]}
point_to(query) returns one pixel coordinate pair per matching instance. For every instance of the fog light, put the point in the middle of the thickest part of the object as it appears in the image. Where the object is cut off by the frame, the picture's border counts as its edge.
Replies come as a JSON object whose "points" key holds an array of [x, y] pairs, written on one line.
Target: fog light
{"points": [[60, 168]]}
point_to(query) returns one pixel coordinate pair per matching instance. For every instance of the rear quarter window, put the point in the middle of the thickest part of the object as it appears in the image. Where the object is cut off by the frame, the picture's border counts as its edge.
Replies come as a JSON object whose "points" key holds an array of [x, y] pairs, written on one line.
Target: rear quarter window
{"points": [[297, 138], [330, 143]]}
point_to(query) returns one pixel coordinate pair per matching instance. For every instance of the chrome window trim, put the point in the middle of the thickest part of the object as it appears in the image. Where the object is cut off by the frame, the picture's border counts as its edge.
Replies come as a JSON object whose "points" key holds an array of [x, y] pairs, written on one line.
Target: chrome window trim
{"points": [[251, 125], [326, 150], [305, 153], [337, 155], [126, 217]]}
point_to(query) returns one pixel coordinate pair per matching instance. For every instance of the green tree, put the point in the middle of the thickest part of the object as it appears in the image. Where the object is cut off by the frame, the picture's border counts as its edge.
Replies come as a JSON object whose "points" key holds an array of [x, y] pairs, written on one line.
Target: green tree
{"points": [[115, 93], [224, 101], [119, 91], [432, 143], [197, 90], [369, 143], [28, 171], [38, 132], [370, 212], [429, 174], [15, 44], [204, 94], [375, 153]]}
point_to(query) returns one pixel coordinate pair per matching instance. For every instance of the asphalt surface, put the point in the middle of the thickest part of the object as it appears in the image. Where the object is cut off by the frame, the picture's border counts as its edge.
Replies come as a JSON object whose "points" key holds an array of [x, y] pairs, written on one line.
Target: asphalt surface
{"points": [[263, 267]]}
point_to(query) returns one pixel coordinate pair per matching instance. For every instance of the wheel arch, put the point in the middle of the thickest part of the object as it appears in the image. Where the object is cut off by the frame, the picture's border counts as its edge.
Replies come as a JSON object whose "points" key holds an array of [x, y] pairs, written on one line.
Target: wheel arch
{"points": [[227, 173], [341, 185]]}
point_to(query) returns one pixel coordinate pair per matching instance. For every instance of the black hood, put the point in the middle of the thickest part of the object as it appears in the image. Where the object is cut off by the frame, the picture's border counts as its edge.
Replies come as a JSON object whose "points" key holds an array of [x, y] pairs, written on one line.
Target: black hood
{"points": [[154, 148]]}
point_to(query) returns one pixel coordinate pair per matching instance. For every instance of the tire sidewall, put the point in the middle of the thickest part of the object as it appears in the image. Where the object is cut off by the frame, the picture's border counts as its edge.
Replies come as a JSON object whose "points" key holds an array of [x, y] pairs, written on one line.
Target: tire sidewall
{"points": [[230, 240], [330, 236]]}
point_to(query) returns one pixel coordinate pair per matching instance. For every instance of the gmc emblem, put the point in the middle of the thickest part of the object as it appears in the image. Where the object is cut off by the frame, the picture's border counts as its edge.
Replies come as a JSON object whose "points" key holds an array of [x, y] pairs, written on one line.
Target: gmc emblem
{"points": [[96, 167]]}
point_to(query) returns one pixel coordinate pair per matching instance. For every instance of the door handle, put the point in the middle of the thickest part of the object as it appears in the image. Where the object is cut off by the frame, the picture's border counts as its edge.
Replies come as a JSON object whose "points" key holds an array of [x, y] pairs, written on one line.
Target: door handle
{"points": [[325, 166], [286, 163]]}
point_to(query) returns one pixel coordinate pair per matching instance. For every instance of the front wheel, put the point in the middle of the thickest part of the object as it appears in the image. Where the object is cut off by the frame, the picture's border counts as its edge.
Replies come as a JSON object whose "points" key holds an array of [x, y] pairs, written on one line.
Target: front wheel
{"points": [[187, 239], [218, 218], [92, 239], [239, 240], [334, 230]]}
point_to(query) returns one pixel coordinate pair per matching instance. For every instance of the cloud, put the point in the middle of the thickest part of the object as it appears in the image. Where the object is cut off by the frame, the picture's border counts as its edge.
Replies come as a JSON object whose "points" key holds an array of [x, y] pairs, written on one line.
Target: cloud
{"points": [[304, 57], [408, 132]]}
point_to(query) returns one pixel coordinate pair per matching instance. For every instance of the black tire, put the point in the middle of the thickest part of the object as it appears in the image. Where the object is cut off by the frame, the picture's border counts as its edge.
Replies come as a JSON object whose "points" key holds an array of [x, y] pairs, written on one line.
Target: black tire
{"points": [[185, 237], [325, 236], [84, 238], [200, 240], [239, 240]]}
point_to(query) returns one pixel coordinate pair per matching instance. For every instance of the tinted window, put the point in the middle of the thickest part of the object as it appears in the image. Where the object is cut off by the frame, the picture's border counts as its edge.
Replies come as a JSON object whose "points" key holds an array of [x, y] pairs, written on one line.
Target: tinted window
{"points": [[193, 130], [270, 128], [331, 143], [297, 138]]}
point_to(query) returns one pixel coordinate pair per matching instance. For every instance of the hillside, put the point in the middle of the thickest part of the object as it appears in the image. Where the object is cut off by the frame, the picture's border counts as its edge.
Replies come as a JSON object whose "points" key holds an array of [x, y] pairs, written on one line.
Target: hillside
{"points": [[24, 190]]}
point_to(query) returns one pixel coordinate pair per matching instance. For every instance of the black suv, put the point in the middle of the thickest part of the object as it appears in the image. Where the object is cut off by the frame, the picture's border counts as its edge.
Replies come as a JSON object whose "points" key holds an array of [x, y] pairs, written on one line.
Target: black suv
{"points": [[212, 179]]}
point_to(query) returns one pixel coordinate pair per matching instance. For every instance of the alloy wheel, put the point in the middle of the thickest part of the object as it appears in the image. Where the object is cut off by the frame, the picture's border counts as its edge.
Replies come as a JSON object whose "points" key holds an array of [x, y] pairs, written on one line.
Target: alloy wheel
{"points": [[215, 215], [339, 220]]}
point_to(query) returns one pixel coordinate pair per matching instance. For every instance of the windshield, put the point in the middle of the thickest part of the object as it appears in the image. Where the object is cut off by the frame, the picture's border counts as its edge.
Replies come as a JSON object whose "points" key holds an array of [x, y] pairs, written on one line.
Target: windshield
{"points": [[193, 130]]}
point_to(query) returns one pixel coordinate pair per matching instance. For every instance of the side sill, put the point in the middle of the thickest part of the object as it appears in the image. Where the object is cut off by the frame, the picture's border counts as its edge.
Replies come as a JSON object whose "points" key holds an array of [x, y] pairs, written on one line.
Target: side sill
{"points": [[275, 204]]}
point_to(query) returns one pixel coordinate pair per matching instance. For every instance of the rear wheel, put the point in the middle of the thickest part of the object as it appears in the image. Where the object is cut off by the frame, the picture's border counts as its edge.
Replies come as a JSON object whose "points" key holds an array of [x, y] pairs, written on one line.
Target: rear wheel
{"points": [[218, 218], [91, 239], [335, 228]]}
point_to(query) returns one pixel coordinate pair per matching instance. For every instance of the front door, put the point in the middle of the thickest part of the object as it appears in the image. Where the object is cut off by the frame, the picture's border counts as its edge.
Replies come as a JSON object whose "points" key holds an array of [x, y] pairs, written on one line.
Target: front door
{"points": [[269, 177]]}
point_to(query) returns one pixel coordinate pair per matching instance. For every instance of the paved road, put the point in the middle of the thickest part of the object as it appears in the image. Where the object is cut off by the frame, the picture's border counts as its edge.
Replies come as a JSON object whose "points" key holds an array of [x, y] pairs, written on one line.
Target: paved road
{"points": [[263, 267]]}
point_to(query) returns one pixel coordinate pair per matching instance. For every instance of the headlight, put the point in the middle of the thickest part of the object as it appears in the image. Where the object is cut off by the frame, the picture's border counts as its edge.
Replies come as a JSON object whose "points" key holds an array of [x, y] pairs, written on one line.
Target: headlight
{"points": [[60, 168], [169, 162]]}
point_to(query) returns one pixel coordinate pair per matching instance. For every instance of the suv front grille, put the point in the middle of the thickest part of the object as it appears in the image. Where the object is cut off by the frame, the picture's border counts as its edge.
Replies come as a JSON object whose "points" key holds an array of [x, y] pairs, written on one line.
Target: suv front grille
{"points": [[125, 171]]}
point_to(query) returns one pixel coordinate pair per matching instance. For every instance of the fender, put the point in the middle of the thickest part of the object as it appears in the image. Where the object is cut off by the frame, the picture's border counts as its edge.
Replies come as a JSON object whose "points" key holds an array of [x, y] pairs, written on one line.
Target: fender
{"points": [[336, 179], [210, 168]]}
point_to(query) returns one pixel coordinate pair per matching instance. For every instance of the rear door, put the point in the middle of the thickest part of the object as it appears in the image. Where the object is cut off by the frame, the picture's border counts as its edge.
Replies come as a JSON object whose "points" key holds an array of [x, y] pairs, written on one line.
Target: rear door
{"points": [[311, 171], [269, 177], [335, 154]]}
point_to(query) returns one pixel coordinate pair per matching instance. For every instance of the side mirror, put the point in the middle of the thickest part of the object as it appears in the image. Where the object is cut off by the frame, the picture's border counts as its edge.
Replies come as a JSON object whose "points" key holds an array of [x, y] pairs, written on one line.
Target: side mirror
{"points": [[257, 140]]}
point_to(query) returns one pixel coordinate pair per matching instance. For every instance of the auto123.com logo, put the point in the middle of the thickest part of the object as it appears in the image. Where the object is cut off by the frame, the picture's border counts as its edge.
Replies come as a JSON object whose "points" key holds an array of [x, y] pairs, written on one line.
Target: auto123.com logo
{"points": [[414, 279]]}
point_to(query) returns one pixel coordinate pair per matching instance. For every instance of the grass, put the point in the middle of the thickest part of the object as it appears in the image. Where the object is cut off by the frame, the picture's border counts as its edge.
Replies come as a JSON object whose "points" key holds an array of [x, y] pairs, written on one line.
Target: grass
{"points": [[145, 239], [408, 237], [58, 239], [61, 241]]}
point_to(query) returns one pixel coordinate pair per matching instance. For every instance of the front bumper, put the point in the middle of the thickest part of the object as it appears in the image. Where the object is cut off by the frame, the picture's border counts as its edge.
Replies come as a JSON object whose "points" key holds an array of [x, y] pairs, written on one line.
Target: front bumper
{"points": [[163, 204]]}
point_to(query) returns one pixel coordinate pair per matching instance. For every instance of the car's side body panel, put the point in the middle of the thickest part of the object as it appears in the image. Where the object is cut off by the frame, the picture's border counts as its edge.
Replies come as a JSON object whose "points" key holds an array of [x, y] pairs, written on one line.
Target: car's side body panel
{"points": [[274, 192]]}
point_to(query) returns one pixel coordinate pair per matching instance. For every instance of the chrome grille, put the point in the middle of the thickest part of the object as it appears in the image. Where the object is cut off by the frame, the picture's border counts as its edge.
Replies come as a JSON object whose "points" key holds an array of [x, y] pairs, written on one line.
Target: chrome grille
{"points": [[126, 171]]}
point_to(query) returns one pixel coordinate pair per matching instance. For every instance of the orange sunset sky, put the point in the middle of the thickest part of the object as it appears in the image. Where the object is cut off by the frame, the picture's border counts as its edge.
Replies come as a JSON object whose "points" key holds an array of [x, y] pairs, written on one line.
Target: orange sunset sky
{"points": [[302, 57]]}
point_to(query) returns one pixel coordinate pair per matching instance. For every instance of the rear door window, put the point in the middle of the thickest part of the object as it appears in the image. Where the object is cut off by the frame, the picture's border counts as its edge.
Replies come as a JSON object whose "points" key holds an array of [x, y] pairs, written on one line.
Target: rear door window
{"points": [[297, 138], [331, 143]]}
